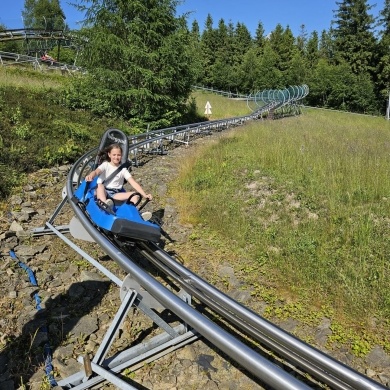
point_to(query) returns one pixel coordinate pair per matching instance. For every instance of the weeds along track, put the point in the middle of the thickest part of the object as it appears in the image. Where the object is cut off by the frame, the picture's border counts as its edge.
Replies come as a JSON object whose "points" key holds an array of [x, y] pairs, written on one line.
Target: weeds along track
{"points": [[276, 358]]}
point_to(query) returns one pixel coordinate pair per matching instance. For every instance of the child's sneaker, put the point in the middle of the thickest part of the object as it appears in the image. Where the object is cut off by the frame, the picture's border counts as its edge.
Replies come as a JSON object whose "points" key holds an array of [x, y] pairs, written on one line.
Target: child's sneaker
{"points": [[146, 215], [110, 203]]}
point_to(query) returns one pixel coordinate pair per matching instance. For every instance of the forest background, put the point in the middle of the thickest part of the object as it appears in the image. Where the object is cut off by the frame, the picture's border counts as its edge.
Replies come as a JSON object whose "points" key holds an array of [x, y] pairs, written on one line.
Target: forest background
{"points": [[346, 67]]}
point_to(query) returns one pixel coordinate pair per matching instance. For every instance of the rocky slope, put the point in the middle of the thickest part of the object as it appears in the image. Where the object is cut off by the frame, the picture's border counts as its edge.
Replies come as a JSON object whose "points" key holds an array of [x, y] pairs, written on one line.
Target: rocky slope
{"points": [[78, 303]]}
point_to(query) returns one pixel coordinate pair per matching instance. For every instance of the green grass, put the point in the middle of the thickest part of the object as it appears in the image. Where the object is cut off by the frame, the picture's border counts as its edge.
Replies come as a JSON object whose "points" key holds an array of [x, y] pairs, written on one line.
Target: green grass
{"points": [[17, 76], [221, 107], [307, 199]]}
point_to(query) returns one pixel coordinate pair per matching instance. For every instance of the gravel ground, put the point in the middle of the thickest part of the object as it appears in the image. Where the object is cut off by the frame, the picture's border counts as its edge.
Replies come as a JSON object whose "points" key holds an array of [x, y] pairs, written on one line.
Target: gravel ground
{"points": [[78, 302]]}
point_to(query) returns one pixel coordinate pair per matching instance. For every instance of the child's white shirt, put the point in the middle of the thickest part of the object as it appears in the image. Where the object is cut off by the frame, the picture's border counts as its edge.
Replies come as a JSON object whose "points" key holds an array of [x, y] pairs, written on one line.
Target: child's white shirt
{"points": [[117, 181]]}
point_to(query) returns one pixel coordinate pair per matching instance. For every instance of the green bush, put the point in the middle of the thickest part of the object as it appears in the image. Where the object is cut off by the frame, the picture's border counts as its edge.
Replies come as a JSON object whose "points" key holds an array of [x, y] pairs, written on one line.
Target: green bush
{"points": [[9, 178]]}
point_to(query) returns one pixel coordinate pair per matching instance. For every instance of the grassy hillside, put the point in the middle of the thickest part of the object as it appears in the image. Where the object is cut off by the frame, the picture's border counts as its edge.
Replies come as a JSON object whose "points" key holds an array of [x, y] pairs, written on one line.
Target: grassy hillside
{"points": [[37, 130], [221, 107], [304, 203]]}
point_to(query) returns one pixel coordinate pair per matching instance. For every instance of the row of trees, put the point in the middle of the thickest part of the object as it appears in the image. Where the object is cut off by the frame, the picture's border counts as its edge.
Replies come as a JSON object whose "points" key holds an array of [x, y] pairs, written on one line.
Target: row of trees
{"points": [[347, 67], [142, 59]]}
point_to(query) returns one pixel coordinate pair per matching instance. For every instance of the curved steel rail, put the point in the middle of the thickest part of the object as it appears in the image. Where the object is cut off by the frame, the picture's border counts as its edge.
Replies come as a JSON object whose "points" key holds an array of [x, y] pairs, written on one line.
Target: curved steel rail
{"points": [[279, 98], [253, 362], [267, 99], [314, 362]]}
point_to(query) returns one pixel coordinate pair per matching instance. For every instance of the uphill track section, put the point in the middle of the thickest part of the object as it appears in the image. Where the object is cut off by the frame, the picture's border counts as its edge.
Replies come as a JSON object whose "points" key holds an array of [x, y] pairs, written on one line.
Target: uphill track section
{"points": [[202, 309]]}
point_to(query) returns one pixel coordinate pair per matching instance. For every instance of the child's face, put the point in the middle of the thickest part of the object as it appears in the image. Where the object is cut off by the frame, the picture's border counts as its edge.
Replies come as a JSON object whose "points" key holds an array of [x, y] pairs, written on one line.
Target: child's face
{"points": [[115, 156]]}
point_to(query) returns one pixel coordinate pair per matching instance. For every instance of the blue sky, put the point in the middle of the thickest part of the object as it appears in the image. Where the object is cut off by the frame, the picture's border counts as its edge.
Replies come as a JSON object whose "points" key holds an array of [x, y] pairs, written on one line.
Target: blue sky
{"points": [[314, 14]]}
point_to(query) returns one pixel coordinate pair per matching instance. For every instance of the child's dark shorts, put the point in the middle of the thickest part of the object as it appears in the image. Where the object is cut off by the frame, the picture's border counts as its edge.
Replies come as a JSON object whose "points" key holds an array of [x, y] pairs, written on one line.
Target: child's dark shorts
{"points": [[112, 191]]}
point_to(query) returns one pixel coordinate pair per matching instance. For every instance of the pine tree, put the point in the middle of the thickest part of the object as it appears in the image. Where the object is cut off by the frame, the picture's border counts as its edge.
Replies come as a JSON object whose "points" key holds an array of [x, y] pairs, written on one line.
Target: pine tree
{"points": [[297, 72], [138, 61], [259, 36], [248, 72], [241, 44], [302, 39], [243, 39], [221, 70], [282, 43], [384, 19], [196, 53], [195, 31], [209, 46], [353, 34], [312, 49], [270, 76]]}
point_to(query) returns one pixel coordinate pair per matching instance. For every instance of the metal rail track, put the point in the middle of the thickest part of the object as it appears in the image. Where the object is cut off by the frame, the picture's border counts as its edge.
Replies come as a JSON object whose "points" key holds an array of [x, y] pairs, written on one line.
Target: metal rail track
{"points": [[236, 349], [240, 333], [7, 59], [240, 319], [303, 356], [31, 33]]}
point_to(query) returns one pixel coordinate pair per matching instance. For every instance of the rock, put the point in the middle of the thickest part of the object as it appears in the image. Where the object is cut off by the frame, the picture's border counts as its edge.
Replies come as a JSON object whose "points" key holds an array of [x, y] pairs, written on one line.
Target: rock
{"points": [[289, 325], [29, 250], [63, 352], [370, 373], [21, 216], [28, 188], [16, 200], [42, 258], [91, 275], [188, 353], [68, 367], [15, 227], [10, 243], [28, 210], [241, 296], [91, 346], [76, 291], [85, 326], [378, 358], [323, 331], [40, 338], [63, 169], [385, 379], [227, 273], [205, 361]]}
